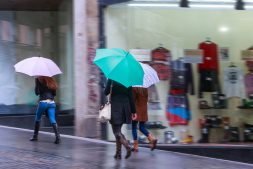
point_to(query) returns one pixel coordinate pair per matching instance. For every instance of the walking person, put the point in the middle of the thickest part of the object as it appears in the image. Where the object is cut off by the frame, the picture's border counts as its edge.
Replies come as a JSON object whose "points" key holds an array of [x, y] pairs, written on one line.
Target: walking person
{"points": [[46, 88], [122, 112], [140, 95]]}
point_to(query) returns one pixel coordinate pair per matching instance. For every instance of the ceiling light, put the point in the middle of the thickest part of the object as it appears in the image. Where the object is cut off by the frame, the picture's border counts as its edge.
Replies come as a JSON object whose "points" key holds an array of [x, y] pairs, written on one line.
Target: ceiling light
{"points": [[239, 5], [223, 29], [184, 4]]}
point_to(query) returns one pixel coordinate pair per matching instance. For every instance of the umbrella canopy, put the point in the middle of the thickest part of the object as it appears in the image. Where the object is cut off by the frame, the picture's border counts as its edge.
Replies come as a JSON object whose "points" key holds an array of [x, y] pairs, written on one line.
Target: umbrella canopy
{"points": [[150, 76], [37, 66], [120, 66]]}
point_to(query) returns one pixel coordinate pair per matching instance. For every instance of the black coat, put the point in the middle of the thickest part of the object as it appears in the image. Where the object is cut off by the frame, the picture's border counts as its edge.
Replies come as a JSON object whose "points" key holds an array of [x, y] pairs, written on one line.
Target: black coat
{"points": [[122, 103], [43, 91]]}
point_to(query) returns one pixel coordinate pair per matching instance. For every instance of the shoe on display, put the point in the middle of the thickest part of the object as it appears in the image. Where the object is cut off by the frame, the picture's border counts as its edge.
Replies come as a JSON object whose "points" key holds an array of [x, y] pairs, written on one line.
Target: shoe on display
{"points": [[219, 101], [203, 104], [246, 104], [154, 125], [187, 140], [159, 125]]}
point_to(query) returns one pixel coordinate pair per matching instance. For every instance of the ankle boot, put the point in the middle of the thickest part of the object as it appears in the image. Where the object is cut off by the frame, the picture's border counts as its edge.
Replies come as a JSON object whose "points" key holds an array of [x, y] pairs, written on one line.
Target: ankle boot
{"points": [[57, 134], [126, 144], [36, 131], [136, 146], [152, 141], [118, 149]]}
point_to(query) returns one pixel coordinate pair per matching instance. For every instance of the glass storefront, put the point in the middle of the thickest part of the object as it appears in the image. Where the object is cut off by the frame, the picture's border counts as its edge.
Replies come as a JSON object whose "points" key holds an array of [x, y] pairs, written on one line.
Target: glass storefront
{"points": [[25, 34], [219, 107]]}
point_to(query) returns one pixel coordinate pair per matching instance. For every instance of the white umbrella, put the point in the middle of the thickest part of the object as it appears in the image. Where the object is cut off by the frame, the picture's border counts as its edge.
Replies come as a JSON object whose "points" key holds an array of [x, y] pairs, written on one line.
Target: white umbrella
{"points": [[37, 66], [150, 76]]}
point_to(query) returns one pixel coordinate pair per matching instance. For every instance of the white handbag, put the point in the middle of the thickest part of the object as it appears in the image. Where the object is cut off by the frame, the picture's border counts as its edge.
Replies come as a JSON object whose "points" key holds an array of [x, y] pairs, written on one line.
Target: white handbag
{"points": [[105, 111]]}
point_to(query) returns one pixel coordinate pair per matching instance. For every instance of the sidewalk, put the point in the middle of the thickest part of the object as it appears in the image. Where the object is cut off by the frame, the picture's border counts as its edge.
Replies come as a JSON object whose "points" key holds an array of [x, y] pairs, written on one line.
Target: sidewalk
{"points": [[17, 152]]}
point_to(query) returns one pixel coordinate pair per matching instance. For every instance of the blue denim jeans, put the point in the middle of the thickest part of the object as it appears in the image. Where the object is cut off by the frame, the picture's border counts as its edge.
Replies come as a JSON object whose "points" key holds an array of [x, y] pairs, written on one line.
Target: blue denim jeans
{"points": [[142, 128], [48, 108]]}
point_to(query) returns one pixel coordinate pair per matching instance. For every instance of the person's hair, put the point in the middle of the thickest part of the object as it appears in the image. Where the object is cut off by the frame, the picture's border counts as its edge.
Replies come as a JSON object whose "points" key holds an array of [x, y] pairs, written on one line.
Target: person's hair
{"points": [[50, 82]]}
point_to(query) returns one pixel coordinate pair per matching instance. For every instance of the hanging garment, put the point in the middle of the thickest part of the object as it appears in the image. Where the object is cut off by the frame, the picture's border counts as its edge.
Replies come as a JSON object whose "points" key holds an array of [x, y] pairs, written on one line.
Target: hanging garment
{"points": [[161, 62], [248, 80], [161, 54], [177, 111], [208, 82], [210, 57], [233, 86], [181, 76]]}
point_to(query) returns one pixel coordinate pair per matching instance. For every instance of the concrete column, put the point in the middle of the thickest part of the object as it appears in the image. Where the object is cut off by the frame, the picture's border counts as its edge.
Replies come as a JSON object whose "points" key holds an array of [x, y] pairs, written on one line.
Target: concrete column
{"points": [[86, 74]]}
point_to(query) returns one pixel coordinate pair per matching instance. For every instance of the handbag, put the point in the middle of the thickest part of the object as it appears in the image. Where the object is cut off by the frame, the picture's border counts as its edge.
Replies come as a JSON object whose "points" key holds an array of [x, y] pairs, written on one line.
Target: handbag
{"points": [[105, 113], [105, 110]]}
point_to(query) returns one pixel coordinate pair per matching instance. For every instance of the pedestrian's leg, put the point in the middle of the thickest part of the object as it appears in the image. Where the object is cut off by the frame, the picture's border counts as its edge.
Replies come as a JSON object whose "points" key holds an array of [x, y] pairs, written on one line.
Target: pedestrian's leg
{"points": [[135, 135], [123, 140], [151, 138], [57, 134], [51, 114], [39, 111], [118, 143], [36, 131]]}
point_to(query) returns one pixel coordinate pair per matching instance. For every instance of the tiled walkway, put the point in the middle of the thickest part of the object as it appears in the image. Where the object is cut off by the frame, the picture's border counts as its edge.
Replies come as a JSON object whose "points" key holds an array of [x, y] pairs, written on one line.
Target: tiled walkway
{"points": [[16, 152]]}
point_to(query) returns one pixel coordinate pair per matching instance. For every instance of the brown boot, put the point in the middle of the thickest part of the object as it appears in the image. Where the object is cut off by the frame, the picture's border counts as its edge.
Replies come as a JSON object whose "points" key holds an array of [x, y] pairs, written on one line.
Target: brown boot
{"points": [[152, 141], [126, 144], [118, 149], [136, 146]]}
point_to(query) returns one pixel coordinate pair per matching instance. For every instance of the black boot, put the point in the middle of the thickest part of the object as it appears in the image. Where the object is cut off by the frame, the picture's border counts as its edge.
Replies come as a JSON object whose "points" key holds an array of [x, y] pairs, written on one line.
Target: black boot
{"points": [[36, 131], [126, 144], [57, 134], [118, 149]]}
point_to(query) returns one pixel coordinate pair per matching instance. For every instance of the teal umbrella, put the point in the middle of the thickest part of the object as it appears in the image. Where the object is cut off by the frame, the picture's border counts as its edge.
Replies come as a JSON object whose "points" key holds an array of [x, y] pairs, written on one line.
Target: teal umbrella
{"points": [[120, 66]]}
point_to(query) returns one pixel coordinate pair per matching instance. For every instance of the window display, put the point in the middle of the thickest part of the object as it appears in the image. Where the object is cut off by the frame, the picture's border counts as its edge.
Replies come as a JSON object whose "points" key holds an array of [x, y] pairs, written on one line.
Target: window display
{"points": [[219, 87]]}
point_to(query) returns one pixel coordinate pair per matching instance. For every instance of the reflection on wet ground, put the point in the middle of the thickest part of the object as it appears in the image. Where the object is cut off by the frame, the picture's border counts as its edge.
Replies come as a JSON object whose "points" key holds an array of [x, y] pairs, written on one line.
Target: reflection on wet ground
{"points": [[16, 151]]}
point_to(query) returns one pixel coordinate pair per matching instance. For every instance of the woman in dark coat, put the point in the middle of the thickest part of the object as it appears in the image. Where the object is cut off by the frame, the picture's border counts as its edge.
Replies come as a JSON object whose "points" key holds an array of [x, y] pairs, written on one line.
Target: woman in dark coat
{"points": [[141, 100], [122, 112]]}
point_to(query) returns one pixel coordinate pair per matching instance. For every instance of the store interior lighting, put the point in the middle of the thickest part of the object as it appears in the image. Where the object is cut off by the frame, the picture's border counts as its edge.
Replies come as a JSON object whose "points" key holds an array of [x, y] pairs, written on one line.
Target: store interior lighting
{"points": [[200, 4]]}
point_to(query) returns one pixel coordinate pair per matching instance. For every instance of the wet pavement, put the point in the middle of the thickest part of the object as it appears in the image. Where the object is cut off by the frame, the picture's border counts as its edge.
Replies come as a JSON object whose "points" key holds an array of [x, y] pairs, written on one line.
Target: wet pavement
{"points": [[16, 151]]}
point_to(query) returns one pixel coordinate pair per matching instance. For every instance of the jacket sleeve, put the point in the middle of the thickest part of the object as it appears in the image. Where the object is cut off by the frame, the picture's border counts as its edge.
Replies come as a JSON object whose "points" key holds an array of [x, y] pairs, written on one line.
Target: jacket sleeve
{"points": [[131, 99], [37, 90], [107, 87]]}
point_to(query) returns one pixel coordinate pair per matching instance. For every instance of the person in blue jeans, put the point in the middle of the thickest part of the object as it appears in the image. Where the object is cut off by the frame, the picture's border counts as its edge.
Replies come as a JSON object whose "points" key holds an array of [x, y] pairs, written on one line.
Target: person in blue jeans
{"points": [[140, 96], [46, 88]]}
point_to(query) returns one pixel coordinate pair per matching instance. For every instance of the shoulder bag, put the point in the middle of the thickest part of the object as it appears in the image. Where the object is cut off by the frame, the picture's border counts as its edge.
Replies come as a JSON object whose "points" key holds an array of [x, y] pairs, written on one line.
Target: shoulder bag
{"points": [[105, 110]]}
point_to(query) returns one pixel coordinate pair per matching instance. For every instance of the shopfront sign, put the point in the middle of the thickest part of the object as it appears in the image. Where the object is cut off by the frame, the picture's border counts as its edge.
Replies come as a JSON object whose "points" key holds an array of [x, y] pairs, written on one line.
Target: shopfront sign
{"points": [[193, 56], [247, 54], [142, 55]]}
